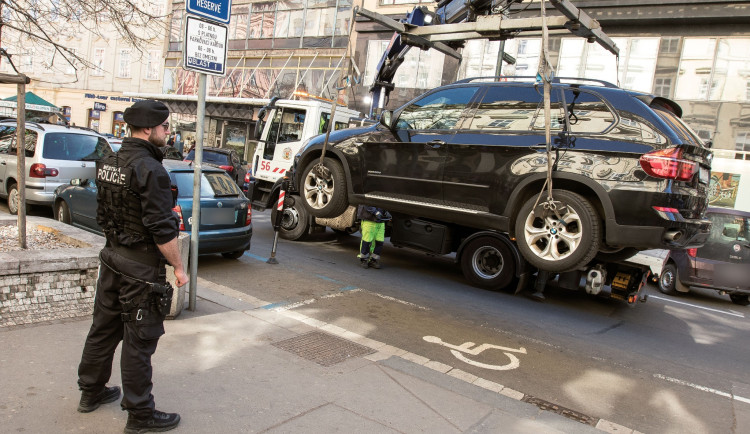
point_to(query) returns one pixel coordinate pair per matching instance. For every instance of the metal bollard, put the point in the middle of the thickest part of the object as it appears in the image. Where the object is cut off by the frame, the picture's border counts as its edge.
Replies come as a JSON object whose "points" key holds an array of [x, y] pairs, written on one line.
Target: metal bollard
{"points": [[277, 221]]}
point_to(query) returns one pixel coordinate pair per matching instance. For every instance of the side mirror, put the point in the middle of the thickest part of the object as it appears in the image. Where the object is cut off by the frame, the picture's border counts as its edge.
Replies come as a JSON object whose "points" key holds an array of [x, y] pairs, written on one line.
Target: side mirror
{"points": [[258, 131], [386, 119]]}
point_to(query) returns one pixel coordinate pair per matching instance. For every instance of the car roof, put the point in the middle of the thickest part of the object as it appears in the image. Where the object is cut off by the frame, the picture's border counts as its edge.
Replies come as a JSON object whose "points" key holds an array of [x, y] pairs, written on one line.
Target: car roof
{"points": [[729, 211], [186, 166], [52, 127], [213, 149]]}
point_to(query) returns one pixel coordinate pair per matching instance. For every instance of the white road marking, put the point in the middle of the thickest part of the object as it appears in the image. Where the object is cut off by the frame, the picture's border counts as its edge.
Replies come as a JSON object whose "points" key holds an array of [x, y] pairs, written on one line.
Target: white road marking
{"points": [[457, 350], [703, 388], [698, 307]]}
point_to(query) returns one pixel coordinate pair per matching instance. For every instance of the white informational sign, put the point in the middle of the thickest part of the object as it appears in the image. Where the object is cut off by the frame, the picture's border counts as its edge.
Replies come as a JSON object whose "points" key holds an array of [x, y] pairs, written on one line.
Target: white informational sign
{"points": [[205, 47]]}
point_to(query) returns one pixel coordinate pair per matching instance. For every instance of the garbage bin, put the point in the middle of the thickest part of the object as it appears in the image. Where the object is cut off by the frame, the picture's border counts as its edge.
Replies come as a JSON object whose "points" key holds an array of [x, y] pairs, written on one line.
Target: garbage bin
{"points": [[178, 299]]}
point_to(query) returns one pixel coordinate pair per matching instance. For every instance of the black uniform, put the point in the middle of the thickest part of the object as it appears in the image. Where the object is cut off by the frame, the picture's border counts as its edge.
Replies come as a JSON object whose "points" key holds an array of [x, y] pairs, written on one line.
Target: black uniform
{"points": [[135, 211]]}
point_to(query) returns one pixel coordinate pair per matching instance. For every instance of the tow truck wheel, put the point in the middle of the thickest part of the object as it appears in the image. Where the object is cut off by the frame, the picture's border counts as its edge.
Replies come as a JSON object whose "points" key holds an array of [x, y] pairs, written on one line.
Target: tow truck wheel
{"points": [[294, 220], [740, 299], [668, 279], [561, 241], [324, 191], [488, 263]]}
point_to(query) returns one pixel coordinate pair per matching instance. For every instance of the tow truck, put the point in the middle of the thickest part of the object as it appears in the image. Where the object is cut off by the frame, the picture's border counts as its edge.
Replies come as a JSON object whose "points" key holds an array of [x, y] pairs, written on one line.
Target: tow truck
{"points": [[283, 126], [482, 253]]}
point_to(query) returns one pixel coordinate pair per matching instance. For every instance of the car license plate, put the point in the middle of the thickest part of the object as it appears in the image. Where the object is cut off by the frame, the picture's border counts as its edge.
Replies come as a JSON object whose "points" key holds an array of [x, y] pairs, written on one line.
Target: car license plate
{"points": [[703, 175], [216, 216]]}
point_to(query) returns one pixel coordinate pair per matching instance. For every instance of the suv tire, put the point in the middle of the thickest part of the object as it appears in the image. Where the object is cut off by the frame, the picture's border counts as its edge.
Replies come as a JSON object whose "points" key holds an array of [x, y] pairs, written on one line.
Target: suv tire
{"points": [[574, 246], [324, 194], [294, 220], [488, 263], [14, 199], [740, 299]]}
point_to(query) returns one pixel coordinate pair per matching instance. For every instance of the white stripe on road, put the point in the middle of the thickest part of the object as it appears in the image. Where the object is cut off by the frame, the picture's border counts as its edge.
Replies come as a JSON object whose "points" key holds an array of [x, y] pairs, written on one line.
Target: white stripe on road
{"points": [[703, 388], [699, 307]]}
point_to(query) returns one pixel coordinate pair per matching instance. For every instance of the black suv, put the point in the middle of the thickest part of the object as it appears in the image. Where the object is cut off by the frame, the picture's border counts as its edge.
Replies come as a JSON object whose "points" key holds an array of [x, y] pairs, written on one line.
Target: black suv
{"points": [[722, 264], [627, 173], [223, 158]]}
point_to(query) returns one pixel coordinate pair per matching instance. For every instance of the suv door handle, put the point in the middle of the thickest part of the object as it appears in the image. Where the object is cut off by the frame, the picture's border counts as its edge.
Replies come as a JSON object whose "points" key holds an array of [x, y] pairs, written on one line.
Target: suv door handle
{"points": [[435, 144]]}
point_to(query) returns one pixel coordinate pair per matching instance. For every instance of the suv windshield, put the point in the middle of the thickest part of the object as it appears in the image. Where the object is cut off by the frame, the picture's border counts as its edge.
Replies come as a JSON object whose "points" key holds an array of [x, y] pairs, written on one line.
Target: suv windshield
{"points": [[74, 147]]}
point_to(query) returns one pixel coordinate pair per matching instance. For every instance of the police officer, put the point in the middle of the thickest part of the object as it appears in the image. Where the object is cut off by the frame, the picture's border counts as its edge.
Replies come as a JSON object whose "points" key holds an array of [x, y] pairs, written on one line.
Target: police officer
{"points": [[132, 297]]}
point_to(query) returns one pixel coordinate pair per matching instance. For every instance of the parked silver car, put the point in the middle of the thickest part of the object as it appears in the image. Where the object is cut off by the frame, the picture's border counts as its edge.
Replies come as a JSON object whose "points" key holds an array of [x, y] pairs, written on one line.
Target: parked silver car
{"points": [[55, 154]]}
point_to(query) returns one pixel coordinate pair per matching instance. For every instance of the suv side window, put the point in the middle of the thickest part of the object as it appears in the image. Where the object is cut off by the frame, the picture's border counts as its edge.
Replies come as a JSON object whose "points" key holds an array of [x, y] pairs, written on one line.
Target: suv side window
{"points": [[505, 108], [587, 112], [30, 145], [437, 111], [7, 135]]}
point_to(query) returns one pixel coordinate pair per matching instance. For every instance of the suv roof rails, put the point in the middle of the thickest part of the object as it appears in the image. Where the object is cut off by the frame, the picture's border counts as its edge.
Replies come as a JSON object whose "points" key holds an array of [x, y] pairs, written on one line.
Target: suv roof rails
{"points": [[557, 80], [36, 124]]}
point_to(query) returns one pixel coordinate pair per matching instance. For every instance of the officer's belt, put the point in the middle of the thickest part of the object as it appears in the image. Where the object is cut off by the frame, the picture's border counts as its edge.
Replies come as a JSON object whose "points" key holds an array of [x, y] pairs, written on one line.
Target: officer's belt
{"points": [[146, 257]]}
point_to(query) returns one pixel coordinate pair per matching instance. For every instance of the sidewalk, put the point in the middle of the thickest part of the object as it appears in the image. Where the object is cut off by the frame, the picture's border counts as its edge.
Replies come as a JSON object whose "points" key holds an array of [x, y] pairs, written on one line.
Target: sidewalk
{"points": [[222, 368]]}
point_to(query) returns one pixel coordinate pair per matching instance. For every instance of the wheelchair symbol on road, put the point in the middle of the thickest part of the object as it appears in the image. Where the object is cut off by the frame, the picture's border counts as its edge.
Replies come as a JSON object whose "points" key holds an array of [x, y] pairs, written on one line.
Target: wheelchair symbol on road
{"points": [[466, 347]]}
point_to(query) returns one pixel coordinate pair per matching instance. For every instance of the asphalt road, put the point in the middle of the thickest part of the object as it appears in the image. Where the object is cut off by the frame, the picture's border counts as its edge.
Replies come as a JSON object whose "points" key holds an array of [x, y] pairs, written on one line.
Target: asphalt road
{"points": [[670, 365]]}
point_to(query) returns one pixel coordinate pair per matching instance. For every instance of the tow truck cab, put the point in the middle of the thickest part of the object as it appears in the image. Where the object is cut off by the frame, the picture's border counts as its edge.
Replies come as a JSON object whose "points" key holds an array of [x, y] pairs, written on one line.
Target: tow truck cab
{"points": [[282, 128]]}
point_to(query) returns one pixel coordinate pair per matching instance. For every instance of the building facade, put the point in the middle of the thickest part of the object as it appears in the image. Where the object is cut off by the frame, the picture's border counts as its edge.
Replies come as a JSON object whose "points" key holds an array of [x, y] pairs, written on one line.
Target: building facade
{"points": [[89, 97]]}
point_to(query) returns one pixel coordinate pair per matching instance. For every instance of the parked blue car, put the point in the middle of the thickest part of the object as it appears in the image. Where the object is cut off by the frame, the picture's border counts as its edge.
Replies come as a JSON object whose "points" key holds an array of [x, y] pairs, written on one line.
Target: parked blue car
{"points": [[226, 216]]}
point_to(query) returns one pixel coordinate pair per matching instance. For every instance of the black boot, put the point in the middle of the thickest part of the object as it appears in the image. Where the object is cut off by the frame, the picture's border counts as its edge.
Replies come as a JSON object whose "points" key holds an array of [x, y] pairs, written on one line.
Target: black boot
{"points": [[158, 422], [91, 401], [364, 263], [375, 263]]}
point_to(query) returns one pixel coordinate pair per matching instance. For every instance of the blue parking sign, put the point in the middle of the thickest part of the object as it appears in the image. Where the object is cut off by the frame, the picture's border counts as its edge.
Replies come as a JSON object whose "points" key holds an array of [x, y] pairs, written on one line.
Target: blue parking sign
{"points": [[216, 10]]}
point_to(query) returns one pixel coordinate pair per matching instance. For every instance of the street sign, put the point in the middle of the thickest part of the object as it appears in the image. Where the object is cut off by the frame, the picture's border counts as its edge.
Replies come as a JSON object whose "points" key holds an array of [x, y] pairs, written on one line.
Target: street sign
{"points": [[102, 107], [205, 46], [216, 10]]}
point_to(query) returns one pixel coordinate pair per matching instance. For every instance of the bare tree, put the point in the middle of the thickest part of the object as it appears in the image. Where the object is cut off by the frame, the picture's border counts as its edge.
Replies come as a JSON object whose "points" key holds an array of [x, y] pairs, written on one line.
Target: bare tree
{"points": [[46, 23]]}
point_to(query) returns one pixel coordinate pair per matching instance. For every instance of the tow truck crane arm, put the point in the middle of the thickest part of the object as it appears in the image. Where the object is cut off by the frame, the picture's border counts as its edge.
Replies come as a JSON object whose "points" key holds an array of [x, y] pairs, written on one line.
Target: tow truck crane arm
{"points": [[455, 21]]}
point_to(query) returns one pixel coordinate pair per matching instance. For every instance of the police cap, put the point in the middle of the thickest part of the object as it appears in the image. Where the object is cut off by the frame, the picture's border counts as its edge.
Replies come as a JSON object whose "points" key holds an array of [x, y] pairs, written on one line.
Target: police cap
{"points": [[146, 114]]}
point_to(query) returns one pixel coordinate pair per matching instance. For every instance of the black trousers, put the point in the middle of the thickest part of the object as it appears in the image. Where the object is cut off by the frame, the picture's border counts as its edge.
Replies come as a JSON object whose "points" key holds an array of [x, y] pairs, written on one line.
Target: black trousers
{"points": [[139, 338]]}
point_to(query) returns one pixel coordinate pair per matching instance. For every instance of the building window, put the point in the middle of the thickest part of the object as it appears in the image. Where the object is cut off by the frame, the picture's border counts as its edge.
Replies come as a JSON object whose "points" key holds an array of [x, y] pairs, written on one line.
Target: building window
{"points": [[67, 112], [742, 141], [637, 61], [663, 87], [154, 62], [70, 67], [123, 70], [713, 69], [27, 61], [238, 23], [669, 45], [175, 28], [98, 62], [420, 70]]}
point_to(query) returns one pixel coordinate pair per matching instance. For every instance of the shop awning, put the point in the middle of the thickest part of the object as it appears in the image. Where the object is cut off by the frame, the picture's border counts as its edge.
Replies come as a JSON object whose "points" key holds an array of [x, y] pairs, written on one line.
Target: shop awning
{"points": [[33, 103]]}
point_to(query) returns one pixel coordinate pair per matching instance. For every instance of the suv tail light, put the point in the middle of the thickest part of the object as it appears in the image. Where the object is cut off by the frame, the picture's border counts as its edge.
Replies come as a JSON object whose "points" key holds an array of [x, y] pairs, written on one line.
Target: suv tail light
{"points": [[178, 210], [229, 169], [692, 252], [39, 170], [668, 164]]}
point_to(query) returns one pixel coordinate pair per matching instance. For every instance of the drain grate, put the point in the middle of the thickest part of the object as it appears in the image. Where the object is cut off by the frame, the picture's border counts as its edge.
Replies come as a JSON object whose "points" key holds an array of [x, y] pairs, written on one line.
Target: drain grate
{"points": [[554, 408], [322, 348]]}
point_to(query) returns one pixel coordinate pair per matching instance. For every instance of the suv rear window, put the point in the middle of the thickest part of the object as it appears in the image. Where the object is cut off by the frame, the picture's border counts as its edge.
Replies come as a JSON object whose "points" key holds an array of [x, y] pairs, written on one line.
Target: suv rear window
{"points": [[213, 184], [74, 147], [216, 158]]}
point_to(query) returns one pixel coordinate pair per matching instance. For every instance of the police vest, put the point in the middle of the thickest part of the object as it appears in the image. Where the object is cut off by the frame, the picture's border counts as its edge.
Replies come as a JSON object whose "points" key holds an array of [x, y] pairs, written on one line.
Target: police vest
{"points": [[119, 205]]}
